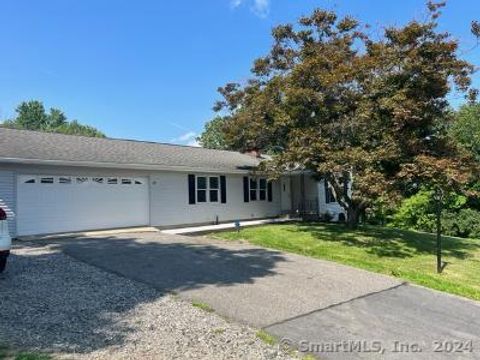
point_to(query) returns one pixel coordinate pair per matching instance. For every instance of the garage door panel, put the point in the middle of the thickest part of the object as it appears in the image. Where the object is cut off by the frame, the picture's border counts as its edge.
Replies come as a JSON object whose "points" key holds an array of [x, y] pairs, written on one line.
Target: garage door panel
{"points": [[62, 207]]}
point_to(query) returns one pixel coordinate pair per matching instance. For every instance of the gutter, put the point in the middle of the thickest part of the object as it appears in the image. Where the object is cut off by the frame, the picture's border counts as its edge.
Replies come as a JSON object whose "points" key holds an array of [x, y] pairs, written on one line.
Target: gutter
{"points": [[120, 166]]}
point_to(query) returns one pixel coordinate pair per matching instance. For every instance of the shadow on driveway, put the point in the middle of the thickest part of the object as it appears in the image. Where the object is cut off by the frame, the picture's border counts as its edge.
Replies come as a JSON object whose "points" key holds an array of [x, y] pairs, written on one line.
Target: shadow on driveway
{"points": [[50, 303], [173, 266]]}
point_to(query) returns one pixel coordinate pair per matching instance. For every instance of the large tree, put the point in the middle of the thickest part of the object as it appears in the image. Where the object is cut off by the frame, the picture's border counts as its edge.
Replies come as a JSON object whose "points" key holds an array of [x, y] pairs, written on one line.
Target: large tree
{"points": [[31, 115], [348, 107], [213, 136], [466, 128]]}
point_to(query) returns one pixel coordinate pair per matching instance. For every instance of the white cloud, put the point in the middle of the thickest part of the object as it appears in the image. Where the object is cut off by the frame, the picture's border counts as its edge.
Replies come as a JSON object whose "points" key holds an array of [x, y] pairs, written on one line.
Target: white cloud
{"points": [[261, 8], [235, 3], [189, 138], [194, 142]]}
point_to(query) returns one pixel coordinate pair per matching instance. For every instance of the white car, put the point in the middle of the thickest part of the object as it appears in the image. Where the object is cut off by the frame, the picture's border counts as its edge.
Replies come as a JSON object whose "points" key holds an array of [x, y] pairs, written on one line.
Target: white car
{"points": [[5, 240]]}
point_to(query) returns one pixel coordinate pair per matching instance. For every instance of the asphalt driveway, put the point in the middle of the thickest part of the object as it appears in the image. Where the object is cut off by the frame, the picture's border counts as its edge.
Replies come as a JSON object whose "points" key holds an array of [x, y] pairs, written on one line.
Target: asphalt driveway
{"points": [[333, 310]]}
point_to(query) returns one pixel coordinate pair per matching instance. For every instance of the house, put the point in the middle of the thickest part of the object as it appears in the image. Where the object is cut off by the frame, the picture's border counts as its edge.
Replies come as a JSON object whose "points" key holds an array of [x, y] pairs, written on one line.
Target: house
{"points": [[53, 183]]}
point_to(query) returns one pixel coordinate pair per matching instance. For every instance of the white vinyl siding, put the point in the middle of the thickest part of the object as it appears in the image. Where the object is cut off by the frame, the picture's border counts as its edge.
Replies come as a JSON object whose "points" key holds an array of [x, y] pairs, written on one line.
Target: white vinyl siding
{"points": [[168, 194], [169, 202], [7, 198]]}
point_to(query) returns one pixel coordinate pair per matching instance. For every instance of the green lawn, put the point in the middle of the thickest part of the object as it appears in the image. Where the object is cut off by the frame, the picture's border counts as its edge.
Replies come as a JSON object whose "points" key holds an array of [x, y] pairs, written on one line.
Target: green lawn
{"points": [[8, 354], [405, 254]]}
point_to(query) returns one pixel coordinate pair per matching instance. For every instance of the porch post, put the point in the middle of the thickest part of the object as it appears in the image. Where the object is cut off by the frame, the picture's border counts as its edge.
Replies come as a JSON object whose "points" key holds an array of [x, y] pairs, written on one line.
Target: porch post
{"points": [[302, 193]]}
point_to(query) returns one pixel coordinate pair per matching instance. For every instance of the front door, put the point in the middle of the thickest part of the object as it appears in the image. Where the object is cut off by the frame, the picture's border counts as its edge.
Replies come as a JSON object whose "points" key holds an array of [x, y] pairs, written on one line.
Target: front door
{"points": [[286, 194]]}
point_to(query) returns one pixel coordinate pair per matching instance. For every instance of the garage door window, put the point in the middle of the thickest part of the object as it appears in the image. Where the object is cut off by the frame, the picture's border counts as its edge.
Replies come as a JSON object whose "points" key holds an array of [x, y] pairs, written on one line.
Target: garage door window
{"points": [[82, 180], [112, 181], [64, 180], [46, 180], [30, 181]]}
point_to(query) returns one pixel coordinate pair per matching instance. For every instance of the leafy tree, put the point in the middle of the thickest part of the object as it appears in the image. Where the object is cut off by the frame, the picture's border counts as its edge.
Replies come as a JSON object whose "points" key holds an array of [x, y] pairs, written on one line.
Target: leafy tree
{"points": [[75, 128], [418, 213], [55, 119], [349, 107], [213, 136], [31, 115], [466, 128]]}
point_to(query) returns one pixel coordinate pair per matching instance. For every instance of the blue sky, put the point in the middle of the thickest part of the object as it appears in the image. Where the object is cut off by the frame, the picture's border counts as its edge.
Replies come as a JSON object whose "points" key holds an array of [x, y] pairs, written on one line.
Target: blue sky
{"points": [[149, 69]]}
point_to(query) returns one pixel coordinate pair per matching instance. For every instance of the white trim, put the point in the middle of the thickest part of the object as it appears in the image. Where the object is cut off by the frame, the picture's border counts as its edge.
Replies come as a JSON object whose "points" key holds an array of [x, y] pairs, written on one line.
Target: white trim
{"points": [[120, 166]]}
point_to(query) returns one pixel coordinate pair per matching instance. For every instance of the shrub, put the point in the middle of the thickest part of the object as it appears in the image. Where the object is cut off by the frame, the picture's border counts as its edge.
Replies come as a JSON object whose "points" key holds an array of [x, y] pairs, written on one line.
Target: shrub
{"points": [[418, 212], [464, 223]]}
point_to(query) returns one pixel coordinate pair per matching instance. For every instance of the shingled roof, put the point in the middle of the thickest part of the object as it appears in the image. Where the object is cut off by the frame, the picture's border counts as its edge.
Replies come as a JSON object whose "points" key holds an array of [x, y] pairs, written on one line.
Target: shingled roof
{"points": [[23, 146]]}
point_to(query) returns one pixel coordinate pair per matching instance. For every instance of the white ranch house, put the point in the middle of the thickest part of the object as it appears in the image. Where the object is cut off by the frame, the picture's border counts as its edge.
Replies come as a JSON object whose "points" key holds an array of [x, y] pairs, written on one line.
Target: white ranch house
{"points": [[53, 183]]}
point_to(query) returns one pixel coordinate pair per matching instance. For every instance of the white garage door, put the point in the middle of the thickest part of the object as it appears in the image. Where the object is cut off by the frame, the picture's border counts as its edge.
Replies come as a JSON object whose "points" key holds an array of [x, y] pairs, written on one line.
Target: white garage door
{"points": [[53, 204]]}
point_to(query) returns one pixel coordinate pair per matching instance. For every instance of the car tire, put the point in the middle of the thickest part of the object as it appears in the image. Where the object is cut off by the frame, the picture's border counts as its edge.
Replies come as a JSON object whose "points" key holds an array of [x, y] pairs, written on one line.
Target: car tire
{"points": [[3, 260]]}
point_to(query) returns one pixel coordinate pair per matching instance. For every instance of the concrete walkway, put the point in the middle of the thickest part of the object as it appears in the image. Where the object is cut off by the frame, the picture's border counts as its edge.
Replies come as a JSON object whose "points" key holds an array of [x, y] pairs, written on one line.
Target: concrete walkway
{"points": [[224, 226], [312, 304]]}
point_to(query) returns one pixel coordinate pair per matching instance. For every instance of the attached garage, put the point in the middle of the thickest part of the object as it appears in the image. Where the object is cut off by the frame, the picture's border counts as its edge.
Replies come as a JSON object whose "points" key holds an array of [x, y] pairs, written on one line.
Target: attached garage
{"points": [[54, 183], [53, 204]]}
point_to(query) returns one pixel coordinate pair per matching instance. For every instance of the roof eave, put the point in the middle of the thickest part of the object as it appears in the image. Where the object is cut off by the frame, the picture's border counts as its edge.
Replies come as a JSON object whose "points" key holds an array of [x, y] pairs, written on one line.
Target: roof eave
{"points": [[145, 167]]}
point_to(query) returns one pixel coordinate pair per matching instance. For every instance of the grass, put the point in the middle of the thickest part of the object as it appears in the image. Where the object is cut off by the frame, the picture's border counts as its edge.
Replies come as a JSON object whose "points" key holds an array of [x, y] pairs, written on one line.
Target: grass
{"points": [[7, 353], [404, 254], [203, 306], [266, 337]]}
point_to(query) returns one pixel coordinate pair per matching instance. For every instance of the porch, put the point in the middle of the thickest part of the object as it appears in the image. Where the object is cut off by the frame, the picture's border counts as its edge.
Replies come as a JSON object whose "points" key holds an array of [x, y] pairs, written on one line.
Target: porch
{"points": [[304, 196]]}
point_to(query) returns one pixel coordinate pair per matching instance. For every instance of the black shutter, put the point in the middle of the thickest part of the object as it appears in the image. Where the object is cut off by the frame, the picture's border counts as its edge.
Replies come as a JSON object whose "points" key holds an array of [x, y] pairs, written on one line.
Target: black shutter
{"points": [[223, 189], [270, 191], [246, 195], [191, 189]]}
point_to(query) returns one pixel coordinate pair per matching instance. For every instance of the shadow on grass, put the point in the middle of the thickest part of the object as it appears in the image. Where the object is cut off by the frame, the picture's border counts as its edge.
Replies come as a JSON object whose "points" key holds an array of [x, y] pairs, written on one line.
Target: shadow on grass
{"points": [[50, 303], [389, 242]]}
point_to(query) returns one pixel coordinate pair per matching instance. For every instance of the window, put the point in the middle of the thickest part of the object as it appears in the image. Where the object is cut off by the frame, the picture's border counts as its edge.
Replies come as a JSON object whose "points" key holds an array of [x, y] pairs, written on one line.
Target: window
{"points": [[253, 189], [46, 180], [126, 181], [29, 181], [112, 181], [97, 180], [213, 188], [82, 180], [64, 180], [138, 182], [329, 195], [263, 189], [201, 189]]}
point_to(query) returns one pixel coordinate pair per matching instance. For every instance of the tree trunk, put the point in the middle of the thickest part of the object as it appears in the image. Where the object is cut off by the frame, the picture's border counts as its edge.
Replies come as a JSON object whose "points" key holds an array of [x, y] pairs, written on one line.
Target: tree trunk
{"points": [[353, 217]]}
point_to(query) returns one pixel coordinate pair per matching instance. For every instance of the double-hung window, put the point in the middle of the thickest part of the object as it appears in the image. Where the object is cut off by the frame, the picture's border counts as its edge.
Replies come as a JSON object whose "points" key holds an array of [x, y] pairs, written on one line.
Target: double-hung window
{"points": [[257, 189], [253, 189], [214, 185], [208, 189], [262, 189], [201, 189]]}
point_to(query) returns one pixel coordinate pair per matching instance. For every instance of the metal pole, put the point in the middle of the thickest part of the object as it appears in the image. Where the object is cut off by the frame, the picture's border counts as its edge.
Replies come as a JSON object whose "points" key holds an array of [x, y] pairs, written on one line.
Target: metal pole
{"points": [[439, 199]]}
